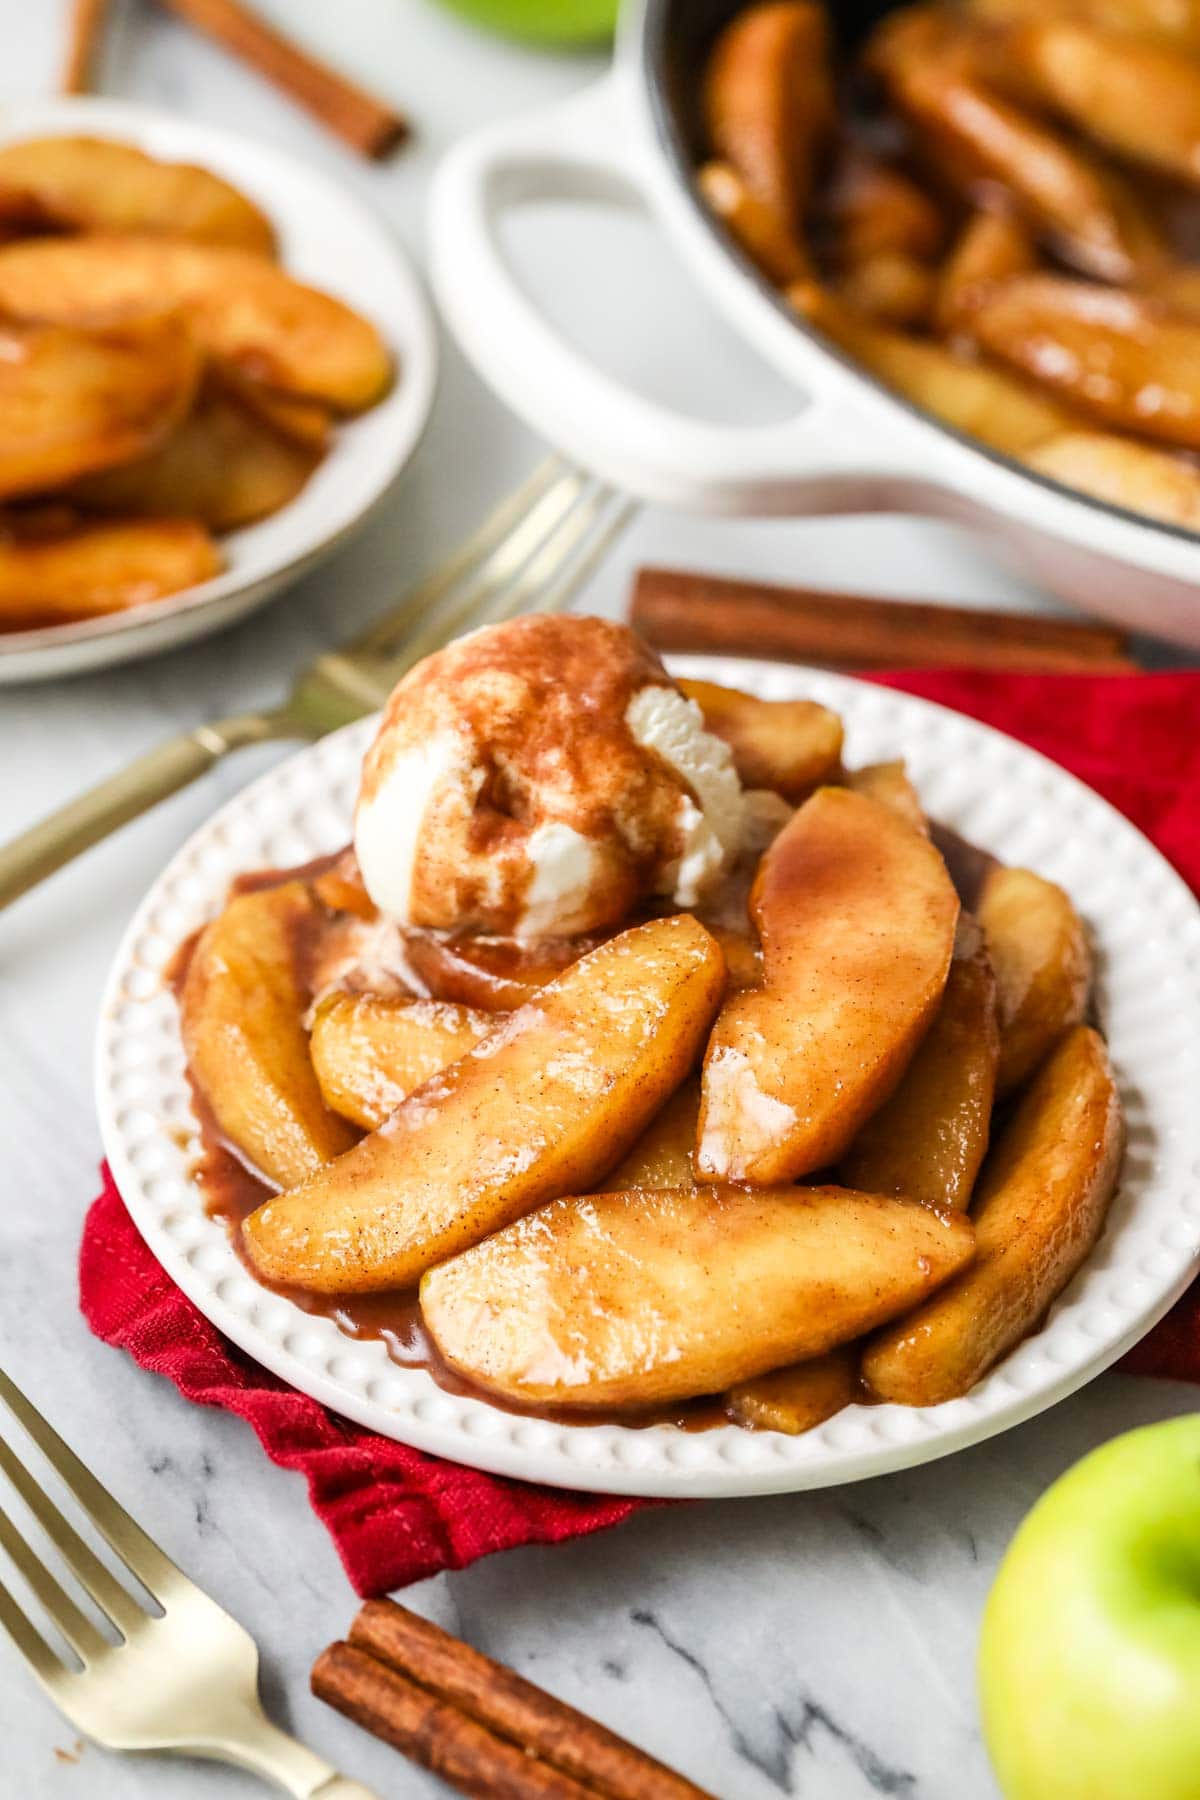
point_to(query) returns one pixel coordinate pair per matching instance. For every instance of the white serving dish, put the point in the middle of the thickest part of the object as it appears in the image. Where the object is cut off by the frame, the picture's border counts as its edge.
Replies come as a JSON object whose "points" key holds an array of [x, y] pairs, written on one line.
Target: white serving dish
{"points": [[327, 237]]}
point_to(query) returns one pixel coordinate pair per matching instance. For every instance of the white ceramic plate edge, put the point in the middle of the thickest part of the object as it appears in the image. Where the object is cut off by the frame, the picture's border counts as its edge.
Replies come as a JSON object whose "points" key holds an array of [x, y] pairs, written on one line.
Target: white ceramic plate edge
{"points": [[1148, 931]]}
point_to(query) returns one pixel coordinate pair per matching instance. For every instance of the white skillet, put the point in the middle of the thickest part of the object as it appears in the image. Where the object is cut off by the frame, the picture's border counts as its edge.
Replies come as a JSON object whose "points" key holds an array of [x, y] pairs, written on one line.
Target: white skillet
{"points": [[850, 446]]}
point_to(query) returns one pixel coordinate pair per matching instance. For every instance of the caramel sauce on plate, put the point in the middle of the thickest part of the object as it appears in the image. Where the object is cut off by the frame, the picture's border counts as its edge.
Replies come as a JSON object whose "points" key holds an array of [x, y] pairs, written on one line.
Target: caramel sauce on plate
{"points": [[231, 1193]]}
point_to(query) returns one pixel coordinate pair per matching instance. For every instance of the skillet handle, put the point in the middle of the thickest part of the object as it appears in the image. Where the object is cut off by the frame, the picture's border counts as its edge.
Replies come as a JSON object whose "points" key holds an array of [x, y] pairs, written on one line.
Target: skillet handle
{"points": [[588, 149]]}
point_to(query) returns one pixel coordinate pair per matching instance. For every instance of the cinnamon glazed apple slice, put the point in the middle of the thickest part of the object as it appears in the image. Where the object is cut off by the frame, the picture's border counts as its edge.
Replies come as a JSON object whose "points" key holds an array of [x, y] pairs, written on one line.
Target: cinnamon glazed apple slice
{"points": [[644, 1298], [857, 916], [1040, 1206], [242, 1005], [929, 1139], [542, 1106], [370, 1051]]}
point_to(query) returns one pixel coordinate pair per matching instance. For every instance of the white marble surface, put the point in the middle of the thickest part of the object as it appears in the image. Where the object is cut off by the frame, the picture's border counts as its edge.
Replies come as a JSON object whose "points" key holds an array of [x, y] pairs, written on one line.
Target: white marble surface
{"points": [[820, 1645]]}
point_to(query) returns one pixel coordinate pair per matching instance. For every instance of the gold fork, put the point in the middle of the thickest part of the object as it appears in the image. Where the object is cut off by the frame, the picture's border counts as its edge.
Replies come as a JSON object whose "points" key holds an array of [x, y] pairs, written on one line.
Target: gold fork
{"points": [[185, 1681], [531, 554]]}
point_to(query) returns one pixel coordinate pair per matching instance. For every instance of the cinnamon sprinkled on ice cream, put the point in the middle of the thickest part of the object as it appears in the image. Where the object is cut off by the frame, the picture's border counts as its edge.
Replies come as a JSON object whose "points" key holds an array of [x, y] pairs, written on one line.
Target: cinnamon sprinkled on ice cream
{"points": [[539, 778]]}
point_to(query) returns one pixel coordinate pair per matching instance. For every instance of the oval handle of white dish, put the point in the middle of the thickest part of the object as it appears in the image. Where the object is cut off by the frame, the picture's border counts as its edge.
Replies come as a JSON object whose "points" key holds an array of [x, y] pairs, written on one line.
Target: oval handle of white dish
{"points": [[587, 149]]}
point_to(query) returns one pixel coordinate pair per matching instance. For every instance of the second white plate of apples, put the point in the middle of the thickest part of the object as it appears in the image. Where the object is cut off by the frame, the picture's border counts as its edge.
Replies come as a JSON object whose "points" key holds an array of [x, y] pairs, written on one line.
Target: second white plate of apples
{"points": [[996, 793]]}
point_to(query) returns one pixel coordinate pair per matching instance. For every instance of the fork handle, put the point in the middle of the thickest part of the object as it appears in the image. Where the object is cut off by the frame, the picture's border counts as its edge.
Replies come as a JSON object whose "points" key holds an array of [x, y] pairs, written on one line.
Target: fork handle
{"points": [[74, 828]]}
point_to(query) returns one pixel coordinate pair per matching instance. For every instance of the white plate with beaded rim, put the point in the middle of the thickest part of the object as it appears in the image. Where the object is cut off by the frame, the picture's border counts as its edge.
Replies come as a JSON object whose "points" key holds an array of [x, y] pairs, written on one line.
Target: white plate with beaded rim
{"points": [[995, 792], [327, 236]]}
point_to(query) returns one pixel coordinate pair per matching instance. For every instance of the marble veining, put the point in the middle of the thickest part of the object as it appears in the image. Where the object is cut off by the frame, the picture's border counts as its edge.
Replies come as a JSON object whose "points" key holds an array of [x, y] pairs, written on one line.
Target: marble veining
{"points": [[818, 1646], [795, 1727]]}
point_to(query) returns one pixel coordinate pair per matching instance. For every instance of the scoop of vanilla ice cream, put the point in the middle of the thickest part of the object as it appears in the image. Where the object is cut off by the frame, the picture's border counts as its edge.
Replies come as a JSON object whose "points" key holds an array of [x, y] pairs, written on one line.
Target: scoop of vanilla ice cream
{"points": [[713, 824], [539, 779], [387, 825]]}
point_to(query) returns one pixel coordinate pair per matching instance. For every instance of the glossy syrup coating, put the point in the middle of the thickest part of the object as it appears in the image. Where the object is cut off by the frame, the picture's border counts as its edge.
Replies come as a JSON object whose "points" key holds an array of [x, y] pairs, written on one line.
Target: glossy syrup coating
{"points": [[544, 1105], [370, 1052], [640, 1298], [1041, 1204], [242, 1004], [857, 916], [1043, 961], [930, 1138]]}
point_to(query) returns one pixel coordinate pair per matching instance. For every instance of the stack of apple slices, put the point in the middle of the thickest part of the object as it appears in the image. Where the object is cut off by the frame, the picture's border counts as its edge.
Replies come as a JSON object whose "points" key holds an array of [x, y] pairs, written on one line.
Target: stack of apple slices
{"points": [[901, 1142]]}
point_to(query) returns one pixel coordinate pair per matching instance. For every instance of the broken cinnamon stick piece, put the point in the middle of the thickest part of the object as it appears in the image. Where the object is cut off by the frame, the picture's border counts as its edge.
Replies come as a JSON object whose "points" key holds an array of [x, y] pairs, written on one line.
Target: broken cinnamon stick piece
{"points": [[368, 125], [85, 27], [677, 610]]}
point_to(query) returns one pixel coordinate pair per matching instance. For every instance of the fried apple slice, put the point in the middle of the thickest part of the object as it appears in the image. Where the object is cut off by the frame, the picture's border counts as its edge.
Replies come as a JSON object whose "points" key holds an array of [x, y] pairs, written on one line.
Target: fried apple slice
{"points": [[369, 1053], [303, 422], [857, 917], [542, 1106], [755, 227], [99, 569], [21, 216], [340, 888], [1043, 1198], [891, 287], [493, 973], [640, 1299], [888, 783], [1173, 21], [1122, 473], [1043, 962], [992, 246], [790, 746], [98, 184], [870, 208], [929, 1139], [1177, 288], [768, 101], [241, 1010], [242, 309], [795, 1399], [1137, 97], [1127, 359], [990, 404], [977, 136], [222, 465], [662, 1156], [74, 401]]}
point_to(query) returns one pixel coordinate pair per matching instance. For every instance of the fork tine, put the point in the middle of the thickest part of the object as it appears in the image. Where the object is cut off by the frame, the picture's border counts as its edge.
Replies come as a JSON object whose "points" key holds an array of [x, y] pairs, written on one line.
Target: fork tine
{"points": [[552, 555], [57, 1604], [384, 637], [559, 594], [33, 1647], [84, 1564], [140, 1554], [552, 513]]}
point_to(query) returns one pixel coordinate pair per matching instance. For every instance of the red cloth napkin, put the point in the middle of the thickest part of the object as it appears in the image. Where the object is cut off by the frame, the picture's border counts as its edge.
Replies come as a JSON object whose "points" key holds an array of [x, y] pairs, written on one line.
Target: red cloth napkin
{"points": [[397, 1515]]}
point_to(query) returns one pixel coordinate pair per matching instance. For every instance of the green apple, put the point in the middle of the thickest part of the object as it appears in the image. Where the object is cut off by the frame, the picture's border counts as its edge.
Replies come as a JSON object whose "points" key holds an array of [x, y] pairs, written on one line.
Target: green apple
{"points": [[543, 21], [1089, 1662]]}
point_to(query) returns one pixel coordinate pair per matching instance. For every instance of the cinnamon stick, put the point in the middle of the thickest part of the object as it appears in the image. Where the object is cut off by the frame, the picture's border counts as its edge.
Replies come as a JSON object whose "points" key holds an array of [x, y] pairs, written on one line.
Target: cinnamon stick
{"points": [[677, 610], [433, 1696], [368, 125], [85, 26], [434, 1733]]}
